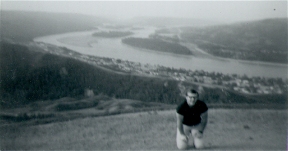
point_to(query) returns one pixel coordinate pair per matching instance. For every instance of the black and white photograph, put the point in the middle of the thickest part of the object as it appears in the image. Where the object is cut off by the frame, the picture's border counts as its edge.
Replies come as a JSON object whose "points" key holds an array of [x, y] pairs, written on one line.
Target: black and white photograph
{"points": [[143, 75]]}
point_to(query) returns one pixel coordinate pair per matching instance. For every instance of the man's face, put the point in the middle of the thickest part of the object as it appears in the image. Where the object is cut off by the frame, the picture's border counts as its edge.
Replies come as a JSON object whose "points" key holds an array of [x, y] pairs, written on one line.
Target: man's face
{"points": [[191, 98]]}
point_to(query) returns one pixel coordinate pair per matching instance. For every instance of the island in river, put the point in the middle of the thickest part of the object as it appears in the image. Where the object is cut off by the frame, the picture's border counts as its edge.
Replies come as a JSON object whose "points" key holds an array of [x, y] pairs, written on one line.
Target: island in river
{"points": [[112, 34], [157, 45]]}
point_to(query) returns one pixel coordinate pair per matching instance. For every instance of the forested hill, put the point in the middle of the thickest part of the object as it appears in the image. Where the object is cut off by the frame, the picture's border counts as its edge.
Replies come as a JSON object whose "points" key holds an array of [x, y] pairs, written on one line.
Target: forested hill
{"points": [[25, 25], [32, 75], [171, 21], [264, 40]]}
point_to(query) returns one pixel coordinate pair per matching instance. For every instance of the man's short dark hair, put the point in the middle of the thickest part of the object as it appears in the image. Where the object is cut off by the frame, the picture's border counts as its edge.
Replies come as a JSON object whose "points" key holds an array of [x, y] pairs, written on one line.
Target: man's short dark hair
{"points": [[192, 91]]}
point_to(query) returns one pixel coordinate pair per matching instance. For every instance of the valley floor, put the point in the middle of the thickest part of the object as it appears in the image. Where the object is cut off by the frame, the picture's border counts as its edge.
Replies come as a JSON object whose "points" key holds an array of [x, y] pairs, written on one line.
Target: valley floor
{"points": [[227, 129]]}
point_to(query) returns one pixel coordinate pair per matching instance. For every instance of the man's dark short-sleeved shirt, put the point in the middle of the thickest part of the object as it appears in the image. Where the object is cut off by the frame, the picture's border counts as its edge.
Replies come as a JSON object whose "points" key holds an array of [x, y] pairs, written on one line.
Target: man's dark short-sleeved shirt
{"points": [[192, 114]]}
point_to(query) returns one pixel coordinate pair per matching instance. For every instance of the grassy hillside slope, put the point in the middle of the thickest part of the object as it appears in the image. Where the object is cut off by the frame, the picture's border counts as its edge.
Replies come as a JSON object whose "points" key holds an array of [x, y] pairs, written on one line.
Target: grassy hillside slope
{"points": [[226, 130], [264, 40], [64, 109], [24, 26]]}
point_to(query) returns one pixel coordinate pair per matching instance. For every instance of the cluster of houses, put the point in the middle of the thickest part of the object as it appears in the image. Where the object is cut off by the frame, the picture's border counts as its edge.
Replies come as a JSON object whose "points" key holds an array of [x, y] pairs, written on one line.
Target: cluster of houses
{"points": [[243, 85], [236, 83]]}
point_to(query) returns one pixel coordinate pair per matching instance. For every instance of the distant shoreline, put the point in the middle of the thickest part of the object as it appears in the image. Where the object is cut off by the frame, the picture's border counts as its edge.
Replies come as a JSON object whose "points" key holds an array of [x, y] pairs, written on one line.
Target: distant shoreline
{"points": [[237, 60]]}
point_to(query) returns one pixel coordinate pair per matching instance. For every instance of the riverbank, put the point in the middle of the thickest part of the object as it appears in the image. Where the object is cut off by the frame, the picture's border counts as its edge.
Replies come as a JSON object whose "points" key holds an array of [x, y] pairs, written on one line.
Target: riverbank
{"points": [[240, 84]]}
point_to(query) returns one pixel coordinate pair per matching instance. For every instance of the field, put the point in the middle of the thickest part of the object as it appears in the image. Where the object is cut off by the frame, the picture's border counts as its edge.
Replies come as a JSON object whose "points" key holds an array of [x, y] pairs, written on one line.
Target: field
{"points": [[227, 129]]}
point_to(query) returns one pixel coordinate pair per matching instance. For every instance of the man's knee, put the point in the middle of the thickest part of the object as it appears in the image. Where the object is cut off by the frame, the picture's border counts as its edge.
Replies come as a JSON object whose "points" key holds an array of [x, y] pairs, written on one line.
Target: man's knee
{"points": [[182, 144], [198, 139], [198, 143]]}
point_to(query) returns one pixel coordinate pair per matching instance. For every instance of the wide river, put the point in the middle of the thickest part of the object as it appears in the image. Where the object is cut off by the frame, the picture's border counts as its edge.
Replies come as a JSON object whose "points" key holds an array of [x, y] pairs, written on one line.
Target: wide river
{"points": [[85, 43]]}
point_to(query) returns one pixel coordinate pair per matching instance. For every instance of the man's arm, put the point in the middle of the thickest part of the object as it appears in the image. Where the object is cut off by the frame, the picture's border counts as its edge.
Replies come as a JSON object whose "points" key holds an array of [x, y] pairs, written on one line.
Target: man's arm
{"points": [[179, 123], [204, 119]]}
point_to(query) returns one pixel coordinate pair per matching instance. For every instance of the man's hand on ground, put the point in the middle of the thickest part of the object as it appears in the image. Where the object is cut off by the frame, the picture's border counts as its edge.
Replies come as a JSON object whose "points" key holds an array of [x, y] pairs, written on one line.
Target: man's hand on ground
{"points": [[199, 134]]}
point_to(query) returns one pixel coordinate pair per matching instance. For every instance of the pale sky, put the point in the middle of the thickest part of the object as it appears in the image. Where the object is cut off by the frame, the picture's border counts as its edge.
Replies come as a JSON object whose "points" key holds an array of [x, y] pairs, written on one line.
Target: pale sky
{"points": [[210, 10]]}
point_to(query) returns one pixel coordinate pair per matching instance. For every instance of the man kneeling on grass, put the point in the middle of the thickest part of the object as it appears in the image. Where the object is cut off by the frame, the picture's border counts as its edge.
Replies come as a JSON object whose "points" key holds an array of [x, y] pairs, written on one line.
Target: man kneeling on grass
{"points": [[192, 115]]}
